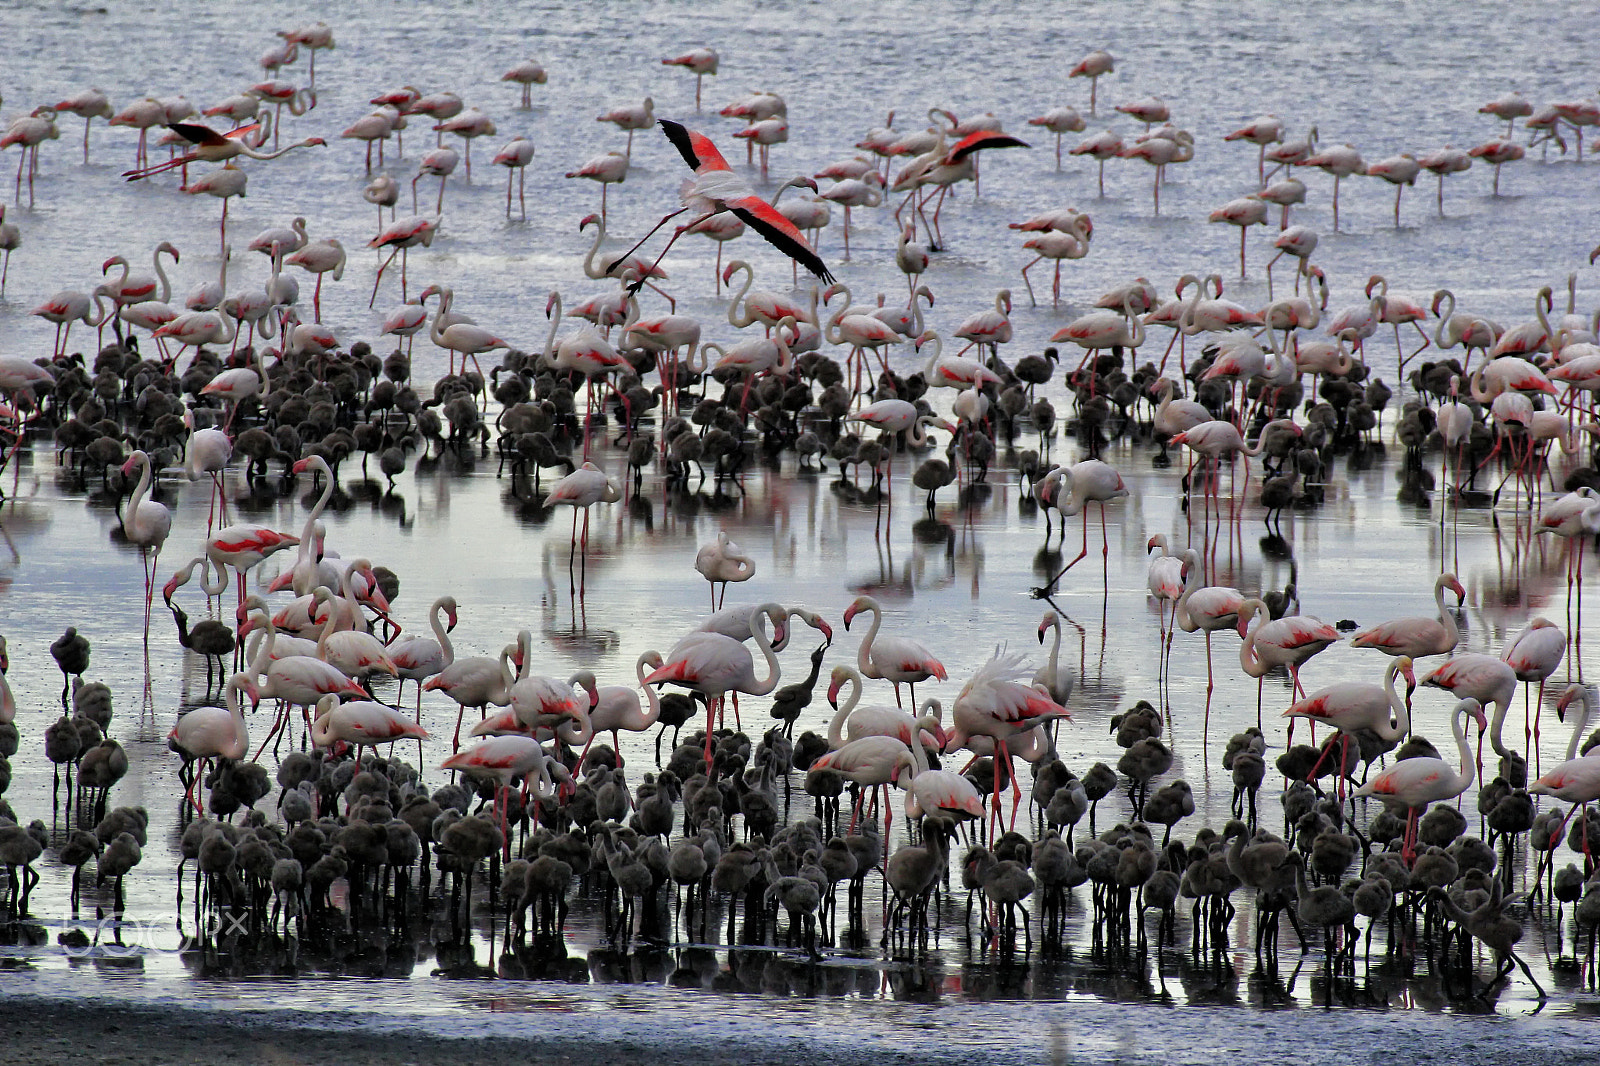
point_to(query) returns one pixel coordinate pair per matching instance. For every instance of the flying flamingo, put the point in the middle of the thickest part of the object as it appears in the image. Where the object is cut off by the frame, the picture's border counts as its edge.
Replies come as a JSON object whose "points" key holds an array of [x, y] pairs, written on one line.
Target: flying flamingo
{"points": [[996, 704], [722, 562], [209, 732], [1418, 637], [715, 189], [715, 665], [1412, 784], [1275, 642], [213, 147], [145, 523], [889, 658]]}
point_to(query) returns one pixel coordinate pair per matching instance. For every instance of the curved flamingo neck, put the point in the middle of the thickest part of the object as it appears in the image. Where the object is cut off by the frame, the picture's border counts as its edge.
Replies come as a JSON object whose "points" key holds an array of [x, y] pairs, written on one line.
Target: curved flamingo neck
{"points": [[653, 714], [1249, 655], [589, 269], [550, 338], [1446, 617], [440, 633], [1469, 765], [764, 642], [1402, 722], [141, 490], [1580, 723], [263, 656], [842, 715], [241, 731], [864, 652], [739, 315]]}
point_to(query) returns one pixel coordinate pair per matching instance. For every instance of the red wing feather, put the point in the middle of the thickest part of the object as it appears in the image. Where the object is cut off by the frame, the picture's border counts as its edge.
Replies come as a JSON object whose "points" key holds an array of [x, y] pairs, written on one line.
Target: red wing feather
{"points": [[696, 148], [977, 142], [765, 220]]}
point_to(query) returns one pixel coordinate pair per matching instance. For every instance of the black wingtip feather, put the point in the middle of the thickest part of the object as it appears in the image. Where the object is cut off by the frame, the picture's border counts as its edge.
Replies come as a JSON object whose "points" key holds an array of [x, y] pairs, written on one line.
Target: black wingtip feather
{"points": [[678, 134]]}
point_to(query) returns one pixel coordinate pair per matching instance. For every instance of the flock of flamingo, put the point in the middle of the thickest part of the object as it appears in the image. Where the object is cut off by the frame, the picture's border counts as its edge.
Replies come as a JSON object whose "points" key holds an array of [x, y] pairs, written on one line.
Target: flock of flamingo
{"points": [[534, 800]]}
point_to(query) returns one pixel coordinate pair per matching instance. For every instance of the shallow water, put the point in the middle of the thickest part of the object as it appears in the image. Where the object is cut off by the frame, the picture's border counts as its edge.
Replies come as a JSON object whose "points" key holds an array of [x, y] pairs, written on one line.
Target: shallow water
{"points": [[1378, 76]]}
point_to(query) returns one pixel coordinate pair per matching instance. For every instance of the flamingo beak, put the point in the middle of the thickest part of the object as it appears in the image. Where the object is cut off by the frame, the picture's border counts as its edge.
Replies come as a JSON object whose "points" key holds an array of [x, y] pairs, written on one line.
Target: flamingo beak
{"points": [[827, 630], [452, 626], [849, 613], [1042, 628], [833, 690]]}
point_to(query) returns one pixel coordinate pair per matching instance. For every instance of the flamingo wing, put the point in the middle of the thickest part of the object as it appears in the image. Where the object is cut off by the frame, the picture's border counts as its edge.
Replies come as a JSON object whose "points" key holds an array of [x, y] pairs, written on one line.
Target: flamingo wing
{"points": [[977, 142], [779, 232], [696, 148], [195, 133]]}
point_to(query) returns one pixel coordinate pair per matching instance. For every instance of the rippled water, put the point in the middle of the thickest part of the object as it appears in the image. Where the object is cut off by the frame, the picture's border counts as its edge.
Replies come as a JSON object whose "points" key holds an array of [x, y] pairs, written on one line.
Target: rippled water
{"points": [[1381, 76]]}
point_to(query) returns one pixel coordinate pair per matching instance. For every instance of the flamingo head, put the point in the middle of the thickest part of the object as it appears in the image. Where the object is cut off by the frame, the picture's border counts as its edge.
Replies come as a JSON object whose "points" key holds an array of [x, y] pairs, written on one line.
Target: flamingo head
{"points": [[830, 292], [115, 260], [300, 466], [1050, 620], [1573, 692], [924, 339], [587, 221], [550, 304], [1474, 710], [817, 622], [1407, 672], [1455, 586], [450, 613], [861, 603], [836, 681]]}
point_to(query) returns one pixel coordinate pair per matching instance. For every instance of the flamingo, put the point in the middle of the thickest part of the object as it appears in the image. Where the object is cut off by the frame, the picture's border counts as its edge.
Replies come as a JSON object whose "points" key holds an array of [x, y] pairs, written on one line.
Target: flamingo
{"points": [[1399, 170], [1285, 193], [1160, 152], [624, 267], [1092, 66], [1086, 482], [243, 547], [1098, 330], [1265, 130], [361, 723], [1577, 779], [1296, 241], [1244, 212], [851, 722], [996, 704], [894, 417], [715, 665], [699, 62], [67, 307], [527, 74], [608, 169], [866, 191], [1208, 608], [1057, 680], [145, 523], [10, 241], [1352, 705], [1486, 678], [1056, 245], [872, 761], [715, 189], [459, 337], [508, 759], [1418, 637], [1101, 146], [722, 562], [223, 184], [208, 732], [478, 681], [1412, 784], [619, 707], [890, 658], [320, 257], [1497, 153], [469, 126], [515, 157], [859, 331], [417, 658], [439, 163], [400, 237], [297, 680], [1341, 161], [1059, 120], [1534, 654], [938, 792], [1275, 642], [1165, 581], [766, 133], [1442, 162], [581, 490], [631, 117]]}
